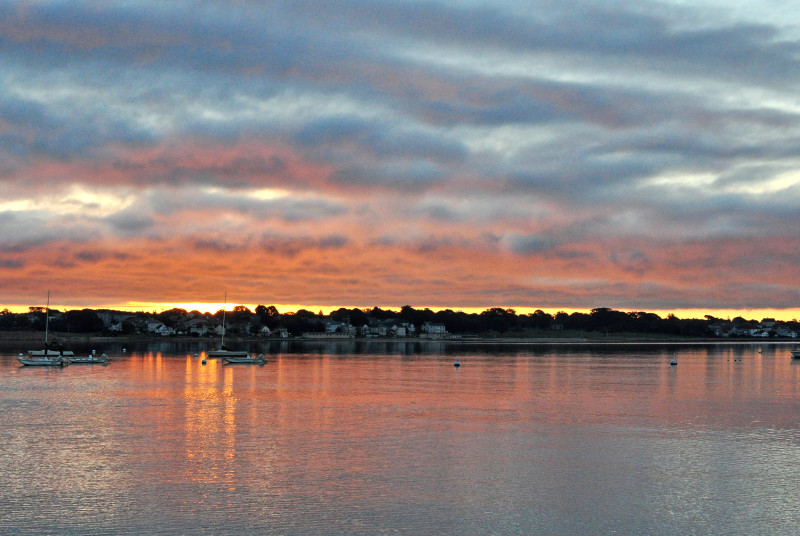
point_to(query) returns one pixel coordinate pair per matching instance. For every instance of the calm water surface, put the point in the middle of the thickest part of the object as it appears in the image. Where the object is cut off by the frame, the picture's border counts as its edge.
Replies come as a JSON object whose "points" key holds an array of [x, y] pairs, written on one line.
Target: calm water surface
{"points": [[352, 438]]}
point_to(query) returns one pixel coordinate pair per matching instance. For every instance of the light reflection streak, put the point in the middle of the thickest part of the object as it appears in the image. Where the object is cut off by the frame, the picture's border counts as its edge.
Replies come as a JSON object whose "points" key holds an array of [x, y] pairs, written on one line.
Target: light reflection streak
{"points": [[210, 422]]}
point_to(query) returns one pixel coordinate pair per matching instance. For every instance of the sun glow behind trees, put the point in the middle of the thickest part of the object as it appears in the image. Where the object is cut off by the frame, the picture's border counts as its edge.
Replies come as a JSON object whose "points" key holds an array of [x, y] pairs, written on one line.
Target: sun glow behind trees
{"points": [[215, 307]]}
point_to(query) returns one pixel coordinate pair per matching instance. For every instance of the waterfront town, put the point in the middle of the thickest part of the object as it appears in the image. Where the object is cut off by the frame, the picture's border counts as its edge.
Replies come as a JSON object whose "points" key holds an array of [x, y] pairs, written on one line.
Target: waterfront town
{"points": [[407, 322]]}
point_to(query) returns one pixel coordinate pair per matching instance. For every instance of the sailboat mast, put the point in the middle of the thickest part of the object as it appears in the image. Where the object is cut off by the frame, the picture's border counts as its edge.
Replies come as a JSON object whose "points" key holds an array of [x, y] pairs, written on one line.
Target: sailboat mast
{"points": [[225, 306], [46, 322]]}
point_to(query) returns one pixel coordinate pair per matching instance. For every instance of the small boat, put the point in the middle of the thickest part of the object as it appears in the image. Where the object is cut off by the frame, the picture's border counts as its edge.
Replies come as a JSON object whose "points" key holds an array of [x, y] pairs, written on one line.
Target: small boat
{"points": [[44, 360], [457, 363], [47, 357], [92, 358], [260, 359], [796, 354], [224, 353]]}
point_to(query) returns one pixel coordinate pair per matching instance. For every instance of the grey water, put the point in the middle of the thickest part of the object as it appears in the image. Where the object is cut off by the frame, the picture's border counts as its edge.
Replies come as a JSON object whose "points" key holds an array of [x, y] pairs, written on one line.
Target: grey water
{"points": [[383, 438]]}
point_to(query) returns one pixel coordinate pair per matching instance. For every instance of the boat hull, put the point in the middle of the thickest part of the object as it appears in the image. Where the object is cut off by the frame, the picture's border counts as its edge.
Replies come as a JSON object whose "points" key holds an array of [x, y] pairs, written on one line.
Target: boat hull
{"points": [[90, 359], [43, 361], [795, 354], [228, 354], [248, 359]]}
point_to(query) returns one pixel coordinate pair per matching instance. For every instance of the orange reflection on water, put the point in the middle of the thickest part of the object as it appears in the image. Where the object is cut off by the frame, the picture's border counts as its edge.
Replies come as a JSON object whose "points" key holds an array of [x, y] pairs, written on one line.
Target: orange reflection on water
{"points": [[210, 421], [254, 430]]}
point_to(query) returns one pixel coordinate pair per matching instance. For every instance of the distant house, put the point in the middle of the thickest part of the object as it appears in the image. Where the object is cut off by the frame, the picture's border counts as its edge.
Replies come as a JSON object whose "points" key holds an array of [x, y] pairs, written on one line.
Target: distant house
{"points": [[433, 329], [282, 333], [195, 326], [430, 330], [758, 332], [263, 331], [158, 327], [378, 331], [786, 332], [720, 330], [334, 326]]}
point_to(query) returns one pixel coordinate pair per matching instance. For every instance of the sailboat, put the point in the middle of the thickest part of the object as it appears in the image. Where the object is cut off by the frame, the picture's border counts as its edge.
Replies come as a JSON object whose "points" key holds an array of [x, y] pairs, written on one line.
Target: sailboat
{"points": [[47, 357], [231, 356]]}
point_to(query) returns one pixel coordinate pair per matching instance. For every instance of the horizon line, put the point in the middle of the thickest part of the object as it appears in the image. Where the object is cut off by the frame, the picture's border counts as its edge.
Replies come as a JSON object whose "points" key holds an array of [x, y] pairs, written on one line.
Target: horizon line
{"points": [[213, 307]]}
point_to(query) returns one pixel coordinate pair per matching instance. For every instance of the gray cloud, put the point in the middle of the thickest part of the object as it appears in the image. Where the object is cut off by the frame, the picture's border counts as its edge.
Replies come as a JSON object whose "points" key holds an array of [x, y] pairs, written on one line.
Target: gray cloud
{"points": [[629, 121]]}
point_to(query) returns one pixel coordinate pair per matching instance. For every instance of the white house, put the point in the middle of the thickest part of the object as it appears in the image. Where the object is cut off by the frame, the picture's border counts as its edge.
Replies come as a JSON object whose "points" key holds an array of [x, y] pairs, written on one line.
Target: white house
{"points": [[430, 327], [156, 326]]}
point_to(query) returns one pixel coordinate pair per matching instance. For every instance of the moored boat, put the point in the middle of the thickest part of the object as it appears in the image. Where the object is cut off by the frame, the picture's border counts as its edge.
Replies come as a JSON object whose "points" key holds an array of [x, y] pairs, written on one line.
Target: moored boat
{"points": [[224, 352], [43, 360], [53, 355], [248, 358], [92, 358], [796, 354]]}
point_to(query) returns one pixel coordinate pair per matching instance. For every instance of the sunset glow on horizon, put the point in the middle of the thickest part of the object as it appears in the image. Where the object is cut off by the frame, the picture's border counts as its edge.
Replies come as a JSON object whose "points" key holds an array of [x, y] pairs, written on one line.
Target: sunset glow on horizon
{"points": [[213, 308], [561, 156]]}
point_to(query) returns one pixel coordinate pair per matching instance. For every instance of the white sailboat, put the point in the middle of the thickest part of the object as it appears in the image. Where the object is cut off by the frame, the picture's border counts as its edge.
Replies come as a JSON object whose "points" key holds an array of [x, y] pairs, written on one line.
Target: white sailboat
{"points": [[46, 357], [225, 353]]}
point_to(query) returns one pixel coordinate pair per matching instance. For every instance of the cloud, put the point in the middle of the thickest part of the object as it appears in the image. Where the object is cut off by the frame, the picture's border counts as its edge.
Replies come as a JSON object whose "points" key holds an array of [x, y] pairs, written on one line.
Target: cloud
{"points": [[530, 244], [451, 153]]}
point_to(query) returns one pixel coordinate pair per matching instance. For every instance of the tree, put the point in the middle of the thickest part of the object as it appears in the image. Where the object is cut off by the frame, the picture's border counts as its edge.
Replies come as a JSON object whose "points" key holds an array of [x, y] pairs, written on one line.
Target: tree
{"points": [[171, 317], [84, 321], [605, 319], [301, 321], [499, 319], [341, 315], [540, 320], [268, 316]]}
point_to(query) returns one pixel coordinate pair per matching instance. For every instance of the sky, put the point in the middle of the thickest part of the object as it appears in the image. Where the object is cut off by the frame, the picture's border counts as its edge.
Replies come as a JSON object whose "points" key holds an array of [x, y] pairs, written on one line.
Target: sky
{"points": [[561, 155]]}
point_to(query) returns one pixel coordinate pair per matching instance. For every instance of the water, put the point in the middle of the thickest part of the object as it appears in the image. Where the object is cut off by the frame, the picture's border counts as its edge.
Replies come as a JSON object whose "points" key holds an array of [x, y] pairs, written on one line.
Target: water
{"points": [[356, 438]]}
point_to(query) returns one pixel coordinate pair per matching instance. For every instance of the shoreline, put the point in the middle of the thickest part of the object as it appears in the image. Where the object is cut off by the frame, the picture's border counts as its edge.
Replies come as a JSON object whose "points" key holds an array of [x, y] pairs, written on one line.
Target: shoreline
{"points": [[72, 338]]}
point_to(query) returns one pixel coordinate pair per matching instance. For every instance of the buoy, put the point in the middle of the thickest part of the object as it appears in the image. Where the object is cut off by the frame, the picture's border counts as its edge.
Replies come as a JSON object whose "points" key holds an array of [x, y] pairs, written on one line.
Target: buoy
{"points": [[204, 361]]}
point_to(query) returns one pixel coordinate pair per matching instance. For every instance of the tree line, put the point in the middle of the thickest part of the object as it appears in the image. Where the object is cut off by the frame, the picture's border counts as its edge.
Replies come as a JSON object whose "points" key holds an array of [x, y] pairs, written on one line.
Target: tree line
{"points": [[493, 321]]}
